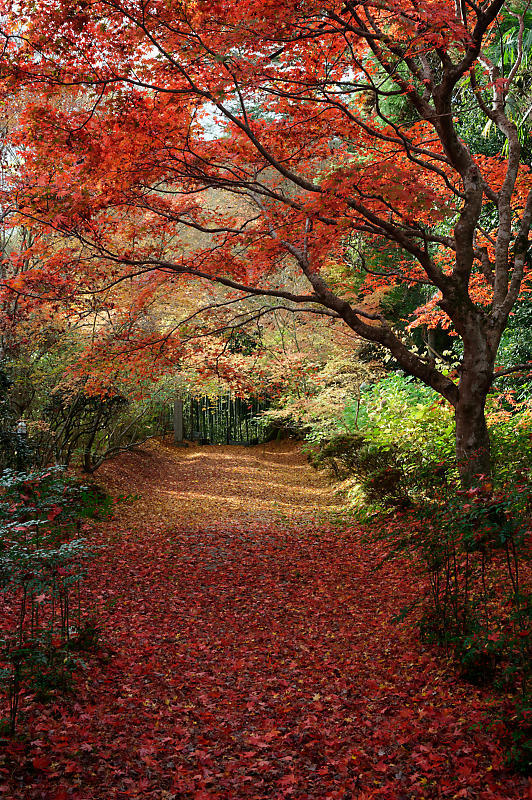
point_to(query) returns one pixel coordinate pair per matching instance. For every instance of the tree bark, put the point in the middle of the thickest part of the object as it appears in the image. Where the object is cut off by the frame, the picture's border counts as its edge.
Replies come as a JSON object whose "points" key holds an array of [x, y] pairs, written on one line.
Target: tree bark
{"points": [[473, 453]]}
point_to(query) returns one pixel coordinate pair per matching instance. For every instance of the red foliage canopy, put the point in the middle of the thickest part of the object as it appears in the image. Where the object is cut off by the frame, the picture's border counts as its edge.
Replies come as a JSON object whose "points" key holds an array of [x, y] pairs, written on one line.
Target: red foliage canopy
{"points": [[236, 141]]}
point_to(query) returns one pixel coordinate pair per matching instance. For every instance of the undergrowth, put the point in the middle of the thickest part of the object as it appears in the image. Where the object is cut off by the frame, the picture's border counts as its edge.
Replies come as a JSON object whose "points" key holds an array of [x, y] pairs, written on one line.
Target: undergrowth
{"points": [[48, 620], [396, 462], [472, 552]]}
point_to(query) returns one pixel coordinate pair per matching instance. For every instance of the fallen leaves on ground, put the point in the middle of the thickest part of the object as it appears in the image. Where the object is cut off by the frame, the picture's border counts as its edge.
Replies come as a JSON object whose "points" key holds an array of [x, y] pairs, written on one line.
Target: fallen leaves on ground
{"points": [[248, 652]]}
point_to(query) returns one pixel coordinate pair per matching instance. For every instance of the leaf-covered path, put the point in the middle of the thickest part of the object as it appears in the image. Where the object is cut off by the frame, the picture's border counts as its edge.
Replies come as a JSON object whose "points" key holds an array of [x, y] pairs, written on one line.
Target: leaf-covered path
{"points": [[249, 652]]}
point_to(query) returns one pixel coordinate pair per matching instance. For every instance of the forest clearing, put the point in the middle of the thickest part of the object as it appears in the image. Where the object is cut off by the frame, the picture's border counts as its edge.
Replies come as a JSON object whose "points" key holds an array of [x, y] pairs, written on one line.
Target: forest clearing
{"points": [[247, 649]]}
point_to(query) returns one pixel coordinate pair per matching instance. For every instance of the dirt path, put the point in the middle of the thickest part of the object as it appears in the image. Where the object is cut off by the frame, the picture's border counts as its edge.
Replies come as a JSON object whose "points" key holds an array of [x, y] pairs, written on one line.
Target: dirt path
{"points": [[249, 652], [205, 485]]}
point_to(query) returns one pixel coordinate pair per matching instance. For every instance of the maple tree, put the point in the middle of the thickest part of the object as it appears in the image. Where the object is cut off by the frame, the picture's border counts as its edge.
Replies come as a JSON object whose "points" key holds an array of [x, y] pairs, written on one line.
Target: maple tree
{"points": [[268, 132]]}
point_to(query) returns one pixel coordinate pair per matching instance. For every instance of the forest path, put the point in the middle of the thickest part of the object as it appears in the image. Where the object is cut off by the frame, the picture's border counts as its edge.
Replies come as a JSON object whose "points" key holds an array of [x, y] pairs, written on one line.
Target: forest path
{"points": [[249, 652], [204, 485]]}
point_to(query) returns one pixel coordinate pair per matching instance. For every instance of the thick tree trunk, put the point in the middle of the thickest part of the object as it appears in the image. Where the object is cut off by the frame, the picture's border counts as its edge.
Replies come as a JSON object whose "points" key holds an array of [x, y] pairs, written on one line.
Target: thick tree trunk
{"points": [[473, 456]]}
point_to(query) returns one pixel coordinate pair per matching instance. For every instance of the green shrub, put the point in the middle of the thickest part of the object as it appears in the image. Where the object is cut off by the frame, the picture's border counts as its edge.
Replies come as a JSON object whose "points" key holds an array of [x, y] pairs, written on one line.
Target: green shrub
{"points": [[377, 470], [413, 420], [43, 561], [511, 441], [399, 446], [402, 433]]}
